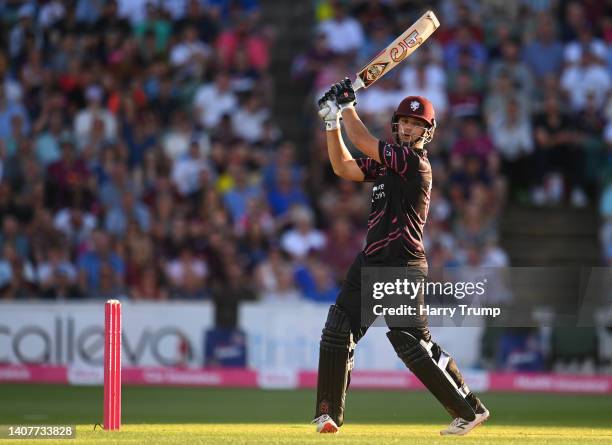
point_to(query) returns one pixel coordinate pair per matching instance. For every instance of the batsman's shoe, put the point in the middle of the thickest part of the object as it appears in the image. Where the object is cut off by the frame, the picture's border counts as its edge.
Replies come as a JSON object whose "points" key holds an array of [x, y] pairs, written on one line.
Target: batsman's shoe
{"points": [[460, 427], [326, 424]]}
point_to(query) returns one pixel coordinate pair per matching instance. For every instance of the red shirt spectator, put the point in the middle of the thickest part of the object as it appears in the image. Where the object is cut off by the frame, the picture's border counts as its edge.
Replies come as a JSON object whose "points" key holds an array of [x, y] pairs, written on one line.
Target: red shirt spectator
{"points": [[257, 47]]}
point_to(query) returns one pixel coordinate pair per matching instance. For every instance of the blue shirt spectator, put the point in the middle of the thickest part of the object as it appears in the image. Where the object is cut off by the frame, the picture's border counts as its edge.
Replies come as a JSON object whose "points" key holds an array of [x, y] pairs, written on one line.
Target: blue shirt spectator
{"points": [[286, 194], [90, 263], [544, 56]]}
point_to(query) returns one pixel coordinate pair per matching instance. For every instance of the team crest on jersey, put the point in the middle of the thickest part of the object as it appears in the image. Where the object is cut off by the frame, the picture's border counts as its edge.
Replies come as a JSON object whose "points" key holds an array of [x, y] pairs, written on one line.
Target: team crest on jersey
{"points": [[414, 105]]}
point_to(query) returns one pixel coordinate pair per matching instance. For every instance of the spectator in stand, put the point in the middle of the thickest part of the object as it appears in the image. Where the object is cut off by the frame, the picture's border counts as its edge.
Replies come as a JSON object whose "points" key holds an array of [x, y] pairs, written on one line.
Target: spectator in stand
{"points": [[118, 217], [213, 100], [472, 140], [464, 40], [100, 269], [48, 130], [544, 55], [511, 65], [513, 140], [186, 274], [94, 118], [307, 67], [190, 55], [317, 282], [285, 193], [342, 241], [303, 237], [17, 275], [588, 76], [244, 36], [464, 99], [284, 289], [558, 156], [57, 276], [187, 170], [13, 235], [344, 34], [500, 92], [380, 35], [247, 122], [9, 111], [237, 197], [585, 42], [425, 77], [76, 224]]}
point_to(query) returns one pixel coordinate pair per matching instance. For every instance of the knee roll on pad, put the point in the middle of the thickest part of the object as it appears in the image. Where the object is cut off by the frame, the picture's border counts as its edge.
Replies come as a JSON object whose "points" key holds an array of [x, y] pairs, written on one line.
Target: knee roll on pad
{"points": [[335, 364], [436, 370]]}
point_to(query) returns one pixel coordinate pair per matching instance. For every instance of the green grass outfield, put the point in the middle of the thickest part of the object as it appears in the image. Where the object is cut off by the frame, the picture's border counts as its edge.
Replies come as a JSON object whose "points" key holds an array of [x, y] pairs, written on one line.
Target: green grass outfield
{"points": [[232, 416]]}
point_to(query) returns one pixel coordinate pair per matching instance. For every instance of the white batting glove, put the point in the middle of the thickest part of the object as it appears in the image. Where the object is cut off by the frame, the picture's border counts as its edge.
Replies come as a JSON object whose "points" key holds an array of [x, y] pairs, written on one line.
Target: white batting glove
{"points": [[329, 111]]}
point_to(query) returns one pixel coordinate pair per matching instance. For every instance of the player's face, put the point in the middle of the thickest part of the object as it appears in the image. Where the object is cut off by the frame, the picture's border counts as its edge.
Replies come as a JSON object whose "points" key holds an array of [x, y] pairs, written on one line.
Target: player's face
{"points": [[410, 129]]}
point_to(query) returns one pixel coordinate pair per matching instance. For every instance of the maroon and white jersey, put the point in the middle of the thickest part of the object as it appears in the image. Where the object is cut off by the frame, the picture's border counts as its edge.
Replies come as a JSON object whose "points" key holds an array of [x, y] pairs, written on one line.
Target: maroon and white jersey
{"points": [[400, 203]]}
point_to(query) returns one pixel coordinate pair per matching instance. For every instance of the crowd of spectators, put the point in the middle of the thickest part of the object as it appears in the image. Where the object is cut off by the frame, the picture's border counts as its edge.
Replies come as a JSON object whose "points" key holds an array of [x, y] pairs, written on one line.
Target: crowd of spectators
{"points": [[139, 156]]}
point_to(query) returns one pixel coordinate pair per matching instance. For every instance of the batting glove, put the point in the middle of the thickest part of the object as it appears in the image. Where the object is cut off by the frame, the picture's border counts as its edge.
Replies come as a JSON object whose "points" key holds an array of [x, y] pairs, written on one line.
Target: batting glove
{"points": [[329, 111], [345, 94]]}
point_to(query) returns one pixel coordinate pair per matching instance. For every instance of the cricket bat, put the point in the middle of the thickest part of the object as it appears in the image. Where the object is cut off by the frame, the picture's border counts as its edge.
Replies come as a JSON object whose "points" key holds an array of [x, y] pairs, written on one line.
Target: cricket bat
{"points": [[397, 51]]}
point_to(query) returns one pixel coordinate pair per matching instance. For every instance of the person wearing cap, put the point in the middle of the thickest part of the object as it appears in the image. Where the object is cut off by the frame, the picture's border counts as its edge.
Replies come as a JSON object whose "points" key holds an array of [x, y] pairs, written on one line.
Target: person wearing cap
{"points": [[402, 177]]}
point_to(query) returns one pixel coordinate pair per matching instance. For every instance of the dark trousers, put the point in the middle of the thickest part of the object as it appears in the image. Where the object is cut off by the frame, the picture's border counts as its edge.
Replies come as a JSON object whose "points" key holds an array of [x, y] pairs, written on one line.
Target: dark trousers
{"points": [[349, 300]]}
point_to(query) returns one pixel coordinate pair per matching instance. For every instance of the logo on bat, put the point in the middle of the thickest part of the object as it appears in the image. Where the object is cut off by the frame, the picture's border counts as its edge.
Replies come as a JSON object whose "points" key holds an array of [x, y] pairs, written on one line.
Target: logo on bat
{"points": [[375, 71], [411, 41], [372, 72]]}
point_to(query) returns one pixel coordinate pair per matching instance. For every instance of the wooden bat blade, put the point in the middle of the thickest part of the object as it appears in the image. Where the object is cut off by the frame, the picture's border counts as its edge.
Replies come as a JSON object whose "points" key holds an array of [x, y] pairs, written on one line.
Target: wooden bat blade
{"points": [[398, 50]]}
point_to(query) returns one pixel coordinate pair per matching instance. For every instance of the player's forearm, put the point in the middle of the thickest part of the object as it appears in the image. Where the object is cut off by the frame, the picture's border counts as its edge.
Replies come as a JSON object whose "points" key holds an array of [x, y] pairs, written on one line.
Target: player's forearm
{"points": [[337, 151], [359, 134]]}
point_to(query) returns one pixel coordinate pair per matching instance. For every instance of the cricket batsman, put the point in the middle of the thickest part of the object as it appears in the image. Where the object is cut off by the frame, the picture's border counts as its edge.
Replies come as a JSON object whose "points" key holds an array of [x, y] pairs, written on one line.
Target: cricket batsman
{"points": [[400, 201]]}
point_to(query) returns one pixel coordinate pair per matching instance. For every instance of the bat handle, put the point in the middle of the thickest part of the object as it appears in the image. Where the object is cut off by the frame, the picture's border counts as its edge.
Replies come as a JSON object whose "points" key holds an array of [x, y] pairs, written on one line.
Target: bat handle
{"points": [[358, 84]]}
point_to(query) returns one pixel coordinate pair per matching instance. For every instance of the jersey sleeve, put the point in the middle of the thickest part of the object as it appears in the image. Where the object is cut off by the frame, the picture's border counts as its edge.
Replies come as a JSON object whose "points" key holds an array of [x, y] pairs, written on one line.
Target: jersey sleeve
{"points": [[369, 167], [398, 158]]}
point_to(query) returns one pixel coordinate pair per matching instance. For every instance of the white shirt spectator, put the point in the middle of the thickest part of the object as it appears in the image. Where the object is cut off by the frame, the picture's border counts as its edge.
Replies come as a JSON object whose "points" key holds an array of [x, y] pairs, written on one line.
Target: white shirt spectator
{"points": [[76, 225], [213, 103], [83, 124], [178, 270], [248, 124], [435, 76], [47, 271], [186, 173], [379, 100], [298, 243], [512, 139], [183, 52], [573, 50], [343, 36], [578, 81], [176, 142]]}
